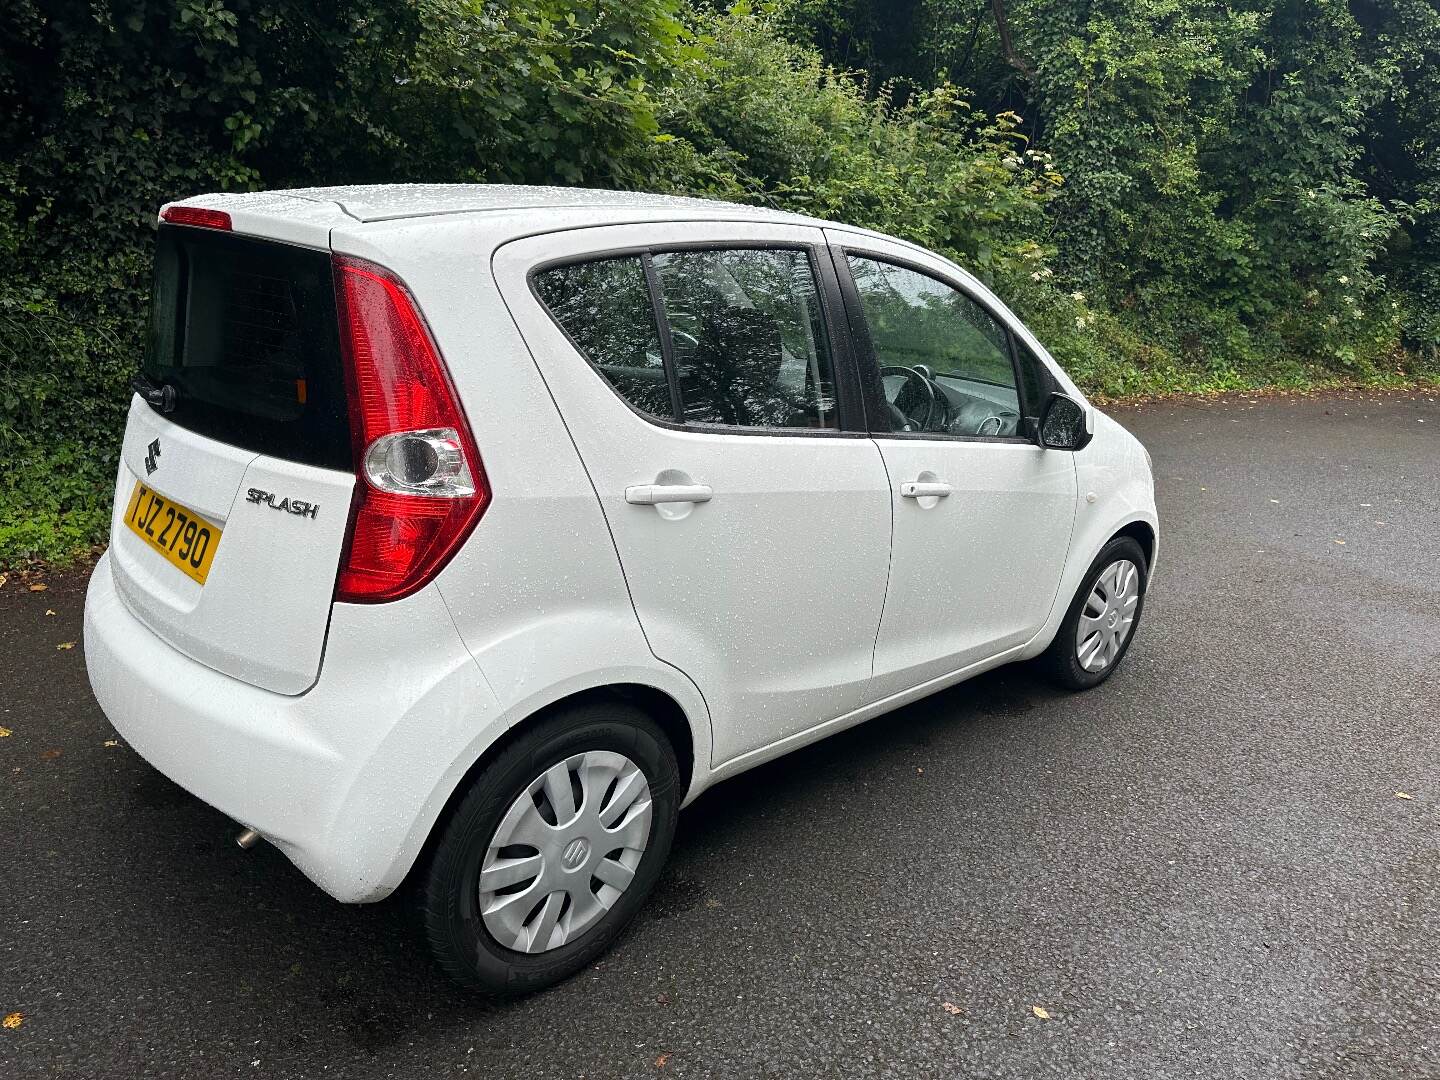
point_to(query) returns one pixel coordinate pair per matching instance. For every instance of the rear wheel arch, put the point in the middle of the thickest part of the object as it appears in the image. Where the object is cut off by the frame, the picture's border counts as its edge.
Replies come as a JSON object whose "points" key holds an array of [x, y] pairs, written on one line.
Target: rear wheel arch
{"points": [[602, 743], [654, 703], [659, 706]]}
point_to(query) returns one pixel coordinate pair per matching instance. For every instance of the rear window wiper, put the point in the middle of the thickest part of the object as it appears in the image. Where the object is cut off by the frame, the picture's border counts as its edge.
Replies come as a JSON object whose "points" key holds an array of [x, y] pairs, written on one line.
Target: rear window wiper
{"points": [[159, 395]]}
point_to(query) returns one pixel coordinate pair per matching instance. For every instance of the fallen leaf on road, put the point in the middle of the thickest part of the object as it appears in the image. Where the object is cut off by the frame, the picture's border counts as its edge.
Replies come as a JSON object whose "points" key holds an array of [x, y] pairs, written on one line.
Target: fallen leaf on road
{"points": [[1340, 542], [1040, 1011], [951, 1008], [5, 733], [1403, 795], [14, 1020], [662, 1061], [111, 742], [49, 611], [39, 587], [65, 645], [51, 755]]}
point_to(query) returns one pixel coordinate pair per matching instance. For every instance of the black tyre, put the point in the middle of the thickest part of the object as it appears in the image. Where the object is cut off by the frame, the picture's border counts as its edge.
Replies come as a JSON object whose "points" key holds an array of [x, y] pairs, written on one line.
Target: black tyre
{"points": [[1108, 603], [570, 826]]}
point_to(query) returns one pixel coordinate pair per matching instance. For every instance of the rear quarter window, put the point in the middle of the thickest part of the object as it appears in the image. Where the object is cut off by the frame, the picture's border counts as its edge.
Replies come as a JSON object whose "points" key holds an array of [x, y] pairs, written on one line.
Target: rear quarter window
{"points": [[605, 307]]}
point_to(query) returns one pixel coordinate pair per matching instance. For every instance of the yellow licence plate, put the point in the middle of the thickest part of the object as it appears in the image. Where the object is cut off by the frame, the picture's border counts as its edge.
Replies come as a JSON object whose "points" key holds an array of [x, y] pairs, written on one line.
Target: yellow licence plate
{"points": [[187, 540]]}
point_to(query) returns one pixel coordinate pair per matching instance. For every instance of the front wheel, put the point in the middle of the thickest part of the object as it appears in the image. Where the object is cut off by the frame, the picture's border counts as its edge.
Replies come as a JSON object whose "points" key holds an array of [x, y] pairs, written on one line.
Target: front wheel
{"points": [[553, 850], [1101, 622]]}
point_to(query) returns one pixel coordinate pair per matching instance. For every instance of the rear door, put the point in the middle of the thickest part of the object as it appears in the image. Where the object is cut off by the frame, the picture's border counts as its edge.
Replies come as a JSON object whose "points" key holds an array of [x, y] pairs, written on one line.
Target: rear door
{"points": [[234, 487], [982, 514], [716, 411]]}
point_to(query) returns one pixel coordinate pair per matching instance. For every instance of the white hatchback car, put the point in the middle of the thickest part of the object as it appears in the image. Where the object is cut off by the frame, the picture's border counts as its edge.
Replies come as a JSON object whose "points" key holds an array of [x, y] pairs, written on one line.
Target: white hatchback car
{"points": [[463, 534]]}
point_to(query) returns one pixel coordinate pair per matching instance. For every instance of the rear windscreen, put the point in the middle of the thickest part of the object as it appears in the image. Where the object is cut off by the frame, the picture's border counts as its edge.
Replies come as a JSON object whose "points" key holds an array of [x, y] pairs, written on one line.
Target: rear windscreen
{"points": [[245, 331]]}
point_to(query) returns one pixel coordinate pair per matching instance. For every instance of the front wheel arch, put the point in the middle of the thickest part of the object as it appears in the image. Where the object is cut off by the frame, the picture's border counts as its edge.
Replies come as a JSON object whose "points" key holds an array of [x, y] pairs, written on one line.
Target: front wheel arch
{"points": [[1059, 660], [1142, 533]]}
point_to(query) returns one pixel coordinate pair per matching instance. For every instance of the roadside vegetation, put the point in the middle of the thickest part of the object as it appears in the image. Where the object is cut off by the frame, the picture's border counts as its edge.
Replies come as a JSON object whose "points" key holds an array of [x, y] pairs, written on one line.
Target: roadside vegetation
{"points": [[1178, 195]]}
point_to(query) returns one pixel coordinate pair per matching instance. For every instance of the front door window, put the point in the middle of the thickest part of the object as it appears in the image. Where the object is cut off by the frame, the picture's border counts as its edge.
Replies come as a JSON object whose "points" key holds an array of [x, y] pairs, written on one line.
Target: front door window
{"points": [[945, 363]]}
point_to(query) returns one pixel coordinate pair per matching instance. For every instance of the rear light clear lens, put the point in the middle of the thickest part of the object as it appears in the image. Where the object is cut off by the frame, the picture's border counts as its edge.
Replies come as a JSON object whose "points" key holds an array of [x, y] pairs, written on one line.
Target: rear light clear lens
{"points": [[430, 462], [196, 215], [420, 486]]}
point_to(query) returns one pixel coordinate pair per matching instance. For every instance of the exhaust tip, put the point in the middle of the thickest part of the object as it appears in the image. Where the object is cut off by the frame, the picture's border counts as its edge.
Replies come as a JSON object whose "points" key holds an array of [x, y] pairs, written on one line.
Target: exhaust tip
{"points": [[247, 839]]}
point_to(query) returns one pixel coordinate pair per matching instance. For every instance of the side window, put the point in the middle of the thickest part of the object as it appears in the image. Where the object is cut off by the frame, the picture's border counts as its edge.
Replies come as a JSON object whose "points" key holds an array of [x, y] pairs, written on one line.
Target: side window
{"points": [[605, 307], [945, 363], [748, 337]]}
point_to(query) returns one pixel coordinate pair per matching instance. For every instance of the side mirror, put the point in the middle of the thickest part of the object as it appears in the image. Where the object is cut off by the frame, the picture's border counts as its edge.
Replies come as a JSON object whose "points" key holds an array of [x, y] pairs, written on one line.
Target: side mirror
{"points": [[1062, 424]]}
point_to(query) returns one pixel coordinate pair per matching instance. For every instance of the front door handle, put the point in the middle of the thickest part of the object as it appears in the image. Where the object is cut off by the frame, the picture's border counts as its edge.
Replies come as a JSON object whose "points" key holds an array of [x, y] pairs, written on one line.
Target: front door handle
{"points": [[919, 489], [655, 494]]}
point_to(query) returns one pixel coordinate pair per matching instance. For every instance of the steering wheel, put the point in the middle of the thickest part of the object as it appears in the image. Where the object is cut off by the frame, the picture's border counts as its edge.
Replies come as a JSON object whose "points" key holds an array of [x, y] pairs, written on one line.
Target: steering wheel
{"points": [[935, 401]]}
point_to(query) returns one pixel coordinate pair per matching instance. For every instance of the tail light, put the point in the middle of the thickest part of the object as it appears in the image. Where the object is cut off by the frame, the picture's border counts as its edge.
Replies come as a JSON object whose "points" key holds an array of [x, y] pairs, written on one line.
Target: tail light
{"points": [[420, 487]]}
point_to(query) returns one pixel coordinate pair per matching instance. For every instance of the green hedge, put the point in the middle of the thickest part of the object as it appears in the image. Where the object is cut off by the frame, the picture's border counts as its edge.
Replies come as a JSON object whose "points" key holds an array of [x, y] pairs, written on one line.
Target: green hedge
{"points": [[1177, 195]]}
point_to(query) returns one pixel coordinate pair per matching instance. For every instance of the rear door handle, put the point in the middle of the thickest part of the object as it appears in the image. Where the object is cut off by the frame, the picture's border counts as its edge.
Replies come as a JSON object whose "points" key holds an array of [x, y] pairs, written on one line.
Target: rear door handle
{"points": [[654, 494], [919, 489]]}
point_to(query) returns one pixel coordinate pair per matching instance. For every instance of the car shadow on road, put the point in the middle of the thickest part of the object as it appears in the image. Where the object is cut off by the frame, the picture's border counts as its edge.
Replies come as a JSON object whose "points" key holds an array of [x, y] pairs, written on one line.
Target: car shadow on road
{"points": [[962, 718], [272, 944]]}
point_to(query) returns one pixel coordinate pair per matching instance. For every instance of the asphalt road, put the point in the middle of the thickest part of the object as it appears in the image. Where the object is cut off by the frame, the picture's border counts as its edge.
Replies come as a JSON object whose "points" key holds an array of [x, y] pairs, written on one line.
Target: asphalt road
{"points": [[1201, 869]]}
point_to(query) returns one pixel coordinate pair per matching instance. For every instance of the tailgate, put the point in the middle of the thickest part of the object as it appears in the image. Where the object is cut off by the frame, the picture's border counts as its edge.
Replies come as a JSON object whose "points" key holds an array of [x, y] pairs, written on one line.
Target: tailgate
{"points": [[252, 450]]}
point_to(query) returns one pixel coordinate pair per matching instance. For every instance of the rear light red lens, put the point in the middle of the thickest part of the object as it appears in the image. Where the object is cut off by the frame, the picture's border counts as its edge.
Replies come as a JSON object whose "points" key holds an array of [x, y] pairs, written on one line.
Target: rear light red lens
{"points": [[196, 215], [399, 539]]}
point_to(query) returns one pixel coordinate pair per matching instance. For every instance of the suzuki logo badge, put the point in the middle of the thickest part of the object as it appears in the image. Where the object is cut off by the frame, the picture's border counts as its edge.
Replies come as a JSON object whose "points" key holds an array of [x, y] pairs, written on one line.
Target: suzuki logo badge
{"points": [[152, 457], [575, 853]]}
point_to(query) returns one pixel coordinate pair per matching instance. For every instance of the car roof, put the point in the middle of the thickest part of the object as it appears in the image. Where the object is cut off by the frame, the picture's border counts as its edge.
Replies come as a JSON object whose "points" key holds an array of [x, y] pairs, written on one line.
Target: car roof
{"points": [[386, 202], [305, 215]]}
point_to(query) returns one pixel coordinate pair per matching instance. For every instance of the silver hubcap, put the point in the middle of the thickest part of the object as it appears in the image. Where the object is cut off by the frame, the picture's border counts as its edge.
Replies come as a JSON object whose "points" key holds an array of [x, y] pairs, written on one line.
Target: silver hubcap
{"points": [[1108, 615], [565, 851]]}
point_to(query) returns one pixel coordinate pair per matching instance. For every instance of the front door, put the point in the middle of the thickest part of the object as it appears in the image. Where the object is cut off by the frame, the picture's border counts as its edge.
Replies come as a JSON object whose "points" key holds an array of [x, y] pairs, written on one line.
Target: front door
{"points": [[982, 514], [715, 410]]}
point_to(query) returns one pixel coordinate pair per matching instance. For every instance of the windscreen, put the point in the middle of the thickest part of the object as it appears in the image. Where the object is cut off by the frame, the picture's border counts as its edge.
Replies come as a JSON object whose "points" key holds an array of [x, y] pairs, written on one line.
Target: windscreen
{"points": [[245, 332]]}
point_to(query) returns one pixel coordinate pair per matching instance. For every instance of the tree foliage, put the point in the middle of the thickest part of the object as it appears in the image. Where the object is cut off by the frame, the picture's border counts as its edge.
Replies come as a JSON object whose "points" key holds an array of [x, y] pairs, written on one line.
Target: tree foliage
{"points": [[1179, 194], [1243, 182]]}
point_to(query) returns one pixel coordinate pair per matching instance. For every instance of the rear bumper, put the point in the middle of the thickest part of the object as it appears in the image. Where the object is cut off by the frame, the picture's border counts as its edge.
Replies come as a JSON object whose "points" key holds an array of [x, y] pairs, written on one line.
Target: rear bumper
{"points": [[346, 779]]}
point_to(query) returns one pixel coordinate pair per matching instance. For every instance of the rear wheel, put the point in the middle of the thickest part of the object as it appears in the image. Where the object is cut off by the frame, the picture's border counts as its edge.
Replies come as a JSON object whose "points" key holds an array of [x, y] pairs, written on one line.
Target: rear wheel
{"points": [[553, 850], [1101, 621]]}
